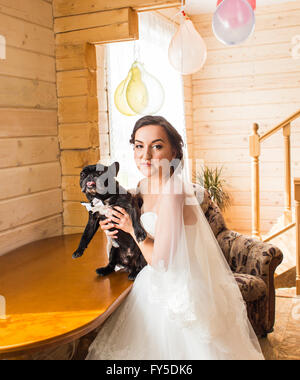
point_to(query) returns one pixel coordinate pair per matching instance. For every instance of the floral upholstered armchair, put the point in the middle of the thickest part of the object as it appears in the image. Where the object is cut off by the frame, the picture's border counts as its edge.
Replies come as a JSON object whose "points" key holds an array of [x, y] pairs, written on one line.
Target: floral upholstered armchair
{"points": [[252, 262]]}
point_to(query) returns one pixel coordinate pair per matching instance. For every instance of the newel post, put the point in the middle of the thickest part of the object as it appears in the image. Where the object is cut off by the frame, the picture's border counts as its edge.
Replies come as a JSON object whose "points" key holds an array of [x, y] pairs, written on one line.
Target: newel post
{"points": [[287, 171], [297, 211], [254, 150]]}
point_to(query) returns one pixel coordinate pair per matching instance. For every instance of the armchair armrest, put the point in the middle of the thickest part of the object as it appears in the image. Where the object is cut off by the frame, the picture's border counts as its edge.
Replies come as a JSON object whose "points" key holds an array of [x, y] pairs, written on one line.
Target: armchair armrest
{"points": [[263, 259], [249, 255]]}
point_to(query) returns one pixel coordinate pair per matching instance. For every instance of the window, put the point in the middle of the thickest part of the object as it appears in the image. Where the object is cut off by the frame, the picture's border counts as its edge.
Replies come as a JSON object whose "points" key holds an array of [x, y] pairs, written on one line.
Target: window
{"points": [[156, 33]]}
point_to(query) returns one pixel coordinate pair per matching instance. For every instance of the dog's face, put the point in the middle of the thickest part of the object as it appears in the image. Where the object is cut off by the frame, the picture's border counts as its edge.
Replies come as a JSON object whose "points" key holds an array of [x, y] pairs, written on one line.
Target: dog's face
{"points": [[95, 179]]}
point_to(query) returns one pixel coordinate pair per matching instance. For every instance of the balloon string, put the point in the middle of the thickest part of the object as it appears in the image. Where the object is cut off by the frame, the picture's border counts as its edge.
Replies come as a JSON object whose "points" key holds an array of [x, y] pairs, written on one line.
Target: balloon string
{"points": [[136, 51], [182, 17], [181, 12]]}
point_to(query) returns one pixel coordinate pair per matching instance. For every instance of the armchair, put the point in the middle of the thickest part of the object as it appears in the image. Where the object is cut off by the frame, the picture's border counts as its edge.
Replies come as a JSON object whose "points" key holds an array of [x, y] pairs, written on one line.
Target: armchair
{"points": [[252, 262]]}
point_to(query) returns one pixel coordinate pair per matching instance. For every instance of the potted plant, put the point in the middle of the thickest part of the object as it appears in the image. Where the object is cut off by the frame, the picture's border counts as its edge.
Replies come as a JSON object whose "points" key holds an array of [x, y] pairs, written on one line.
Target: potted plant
{"points": [[211, 180]]}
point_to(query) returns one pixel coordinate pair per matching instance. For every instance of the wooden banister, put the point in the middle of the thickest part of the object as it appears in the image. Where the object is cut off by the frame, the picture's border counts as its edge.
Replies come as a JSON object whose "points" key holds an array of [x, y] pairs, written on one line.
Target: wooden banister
{"points": [[280, 232], [279, 126], [297, 201], [255, 141]]}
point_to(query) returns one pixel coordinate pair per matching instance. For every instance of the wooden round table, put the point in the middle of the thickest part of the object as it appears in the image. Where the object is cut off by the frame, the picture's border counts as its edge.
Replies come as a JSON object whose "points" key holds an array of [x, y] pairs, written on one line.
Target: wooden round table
{"points": [[52, 299]]}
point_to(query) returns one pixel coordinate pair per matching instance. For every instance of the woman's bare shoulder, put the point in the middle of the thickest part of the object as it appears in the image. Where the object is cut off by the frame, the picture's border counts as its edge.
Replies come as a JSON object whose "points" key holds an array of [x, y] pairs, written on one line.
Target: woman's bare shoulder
{"points": [[136, 190]]}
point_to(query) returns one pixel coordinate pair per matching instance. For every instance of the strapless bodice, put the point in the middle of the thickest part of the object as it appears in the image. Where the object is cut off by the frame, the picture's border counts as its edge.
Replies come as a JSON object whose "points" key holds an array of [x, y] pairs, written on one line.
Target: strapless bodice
{"points": [[148, 220]]}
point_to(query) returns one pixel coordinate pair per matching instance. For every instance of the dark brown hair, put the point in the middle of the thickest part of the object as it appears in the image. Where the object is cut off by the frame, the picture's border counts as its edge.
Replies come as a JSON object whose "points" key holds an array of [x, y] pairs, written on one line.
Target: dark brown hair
{"points": [[174, 137]]}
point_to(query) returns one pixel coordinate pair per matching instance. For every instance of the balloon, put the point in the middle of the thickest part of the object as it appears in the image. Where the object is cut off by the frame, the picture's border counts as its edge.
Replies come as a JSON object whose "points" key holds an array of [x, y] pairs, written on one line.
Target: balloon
{"points": [[251, 2], [140, 93], [187, 50], [233, 21], [120, 97], [136, 93], [145, 95]]}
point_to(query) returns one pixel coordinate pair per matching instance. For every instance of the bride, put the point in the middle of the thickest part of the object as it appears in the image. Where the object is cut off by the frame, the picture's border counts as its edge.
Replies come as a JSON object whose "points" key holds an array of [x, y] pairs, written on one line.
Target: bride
{"points": [[185, 304]]}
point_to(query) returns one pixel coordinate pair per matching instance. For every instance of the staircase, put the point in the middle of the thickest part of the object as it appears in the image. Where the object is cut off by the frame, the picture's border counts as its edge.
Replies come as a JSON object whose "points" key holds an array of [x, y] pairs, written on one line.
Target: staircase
{"points": [[286, 241], [286, 232]]}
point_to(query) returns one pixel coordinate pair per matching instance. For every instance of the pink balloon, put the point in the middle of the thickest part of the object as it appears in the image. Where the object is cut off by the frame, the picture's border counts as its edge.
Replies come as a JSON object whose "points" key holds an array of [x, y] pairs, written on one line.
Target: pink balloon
{"points": [[233, 21], [251, 2], [235, 13]]}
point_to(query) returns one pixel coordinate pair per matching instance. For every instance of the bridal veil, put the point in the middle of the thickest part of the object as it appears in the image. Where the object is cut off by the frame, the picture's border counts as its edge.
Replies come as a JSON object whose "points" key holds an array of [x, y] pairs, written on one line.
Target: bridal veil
{"points": [[190, 276]]}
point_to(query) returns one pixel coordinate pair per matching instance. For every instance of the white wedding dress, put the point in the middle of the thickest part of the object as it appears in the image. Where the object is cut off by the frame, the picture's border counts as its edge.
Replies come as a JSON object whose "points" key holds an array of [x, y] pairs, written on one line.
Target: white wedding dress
{"points": [[178, 314]]}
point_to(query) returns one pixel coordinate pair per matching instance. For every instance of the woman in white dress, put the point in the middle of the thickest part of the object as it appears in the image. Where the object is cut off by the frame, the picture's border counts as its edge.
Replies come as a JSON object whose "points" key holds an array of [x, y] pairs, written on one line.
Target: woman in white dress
{"points": [[185, 304]]}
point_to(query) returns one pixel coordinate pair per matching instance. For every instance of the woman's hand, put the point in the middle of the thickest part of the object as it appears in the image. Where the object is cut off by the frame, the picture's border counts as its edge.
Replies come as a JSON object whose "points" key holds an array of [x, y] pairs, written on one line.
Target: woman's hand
{"points": [[120, 219], [106, 225]]}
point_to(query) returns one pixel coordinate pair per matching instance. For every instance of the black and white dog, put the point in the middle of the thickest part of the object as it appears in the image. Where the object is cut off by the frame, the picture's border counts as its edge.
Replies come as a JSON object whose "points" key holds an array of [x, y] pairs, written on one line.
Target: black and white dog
{"points": [[103, 191]]}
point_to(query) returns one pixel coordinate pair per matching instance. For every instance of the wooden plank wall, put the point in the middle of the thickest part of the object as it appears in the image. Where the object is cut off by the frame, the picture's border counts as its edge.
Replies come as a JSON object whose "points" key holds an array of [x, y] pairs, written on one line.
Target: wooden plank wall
{"points": [[78, 102], [79, 27], [102, 89], [258, 81], [188, 107], [171, 14], [30, 173]]}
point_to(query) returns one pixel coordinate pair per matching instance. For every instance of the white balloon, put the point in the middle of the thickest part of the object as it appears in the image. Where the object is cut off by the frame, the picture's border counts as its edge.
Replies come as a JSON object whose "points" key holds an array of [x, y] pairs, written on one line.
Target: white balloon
{"points": [[187, 50]]}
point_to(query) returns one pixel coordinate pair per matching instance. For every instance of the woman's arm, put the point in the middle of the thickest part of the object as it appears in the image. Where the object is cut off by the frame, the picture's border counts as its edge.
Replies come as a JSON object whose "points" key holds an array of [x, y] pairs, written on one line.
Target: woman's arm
{"points": [[146, 247]]}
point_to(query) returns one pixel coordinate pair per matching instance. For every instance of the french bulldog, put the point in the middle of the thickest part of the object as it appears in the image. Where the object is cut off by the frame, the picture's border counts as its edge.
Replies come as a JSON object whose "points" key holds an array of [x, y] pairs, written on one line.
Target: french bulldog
{"points": [[103, 192]]}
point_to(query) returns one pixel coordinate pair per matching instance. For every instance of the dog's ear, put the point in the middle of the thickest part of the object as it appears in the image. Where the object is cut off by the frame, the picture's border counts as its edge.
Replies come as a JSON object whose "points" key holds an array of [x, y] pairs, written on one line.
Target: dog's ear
{"points": [[84, 173], [88, 169], [116, 167]]}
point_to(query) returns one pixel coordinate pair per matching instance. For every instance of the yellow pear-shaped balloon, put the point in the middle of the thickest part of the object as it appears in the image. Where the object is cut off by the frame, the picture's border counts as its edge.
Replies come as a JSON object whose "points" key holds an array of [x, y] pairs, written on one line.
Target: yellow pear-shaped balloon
{"points": [[140, 93], [120, 97], [137, 94], [145, 94]]}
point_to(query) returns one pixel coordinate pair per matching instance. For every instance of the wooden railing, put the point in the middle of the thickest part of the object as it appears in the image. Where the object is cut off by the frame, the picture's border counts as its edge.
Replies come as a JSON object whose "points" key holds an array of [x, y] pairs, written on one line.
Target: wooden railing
{"points": [[297, 207], [255, 141]]}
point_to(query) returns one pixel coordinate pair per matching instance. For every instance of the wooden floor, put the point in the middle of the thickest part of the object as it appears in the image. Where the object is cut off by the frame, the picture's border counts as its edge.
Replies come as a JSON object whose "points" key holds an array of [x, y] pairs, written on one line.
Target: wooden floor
{"points": [[284, 342]]}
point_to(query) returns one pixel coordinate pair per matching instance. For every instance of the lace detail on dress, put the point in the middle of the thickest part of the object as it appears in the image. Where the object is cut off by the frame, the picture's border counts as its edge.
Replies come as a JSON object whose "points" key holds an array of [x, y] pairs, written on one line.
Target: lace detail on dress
{"points": [[106, 346], [174, 296], [181, 308]]}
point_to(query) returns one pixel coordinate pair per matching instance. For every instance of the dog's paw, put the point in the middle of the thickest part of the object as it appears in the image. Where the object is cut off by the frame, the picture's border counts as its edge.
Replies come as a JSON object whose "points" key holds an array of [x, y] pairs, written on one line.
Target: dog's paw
{"points": [[77, 254], [104, 271], [132, 276], [114, 243]]}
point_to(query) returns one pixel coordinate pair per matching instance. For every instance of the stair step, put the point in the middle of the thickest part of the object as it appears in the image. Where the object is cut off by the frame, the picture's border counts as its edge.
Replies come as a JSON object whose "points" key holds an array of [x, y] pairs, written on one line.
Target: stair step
{"points": [[286, 242], [286, 279]]}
